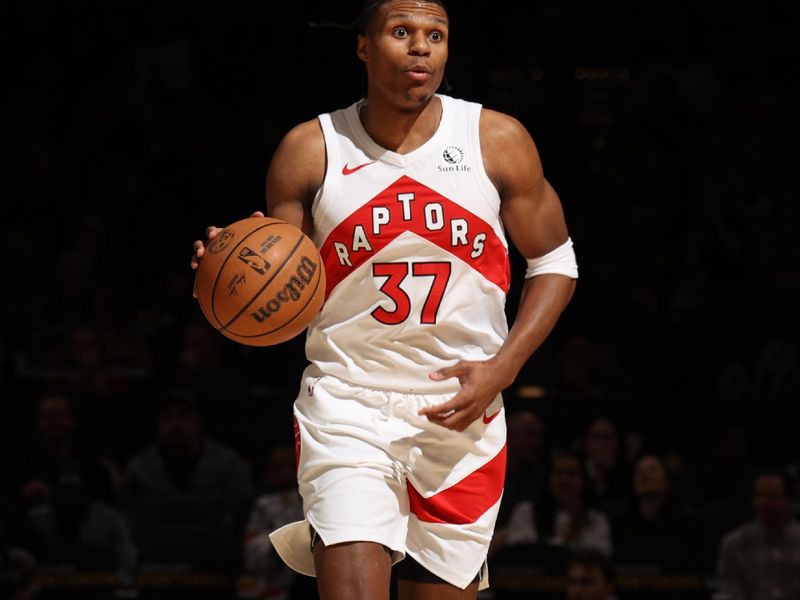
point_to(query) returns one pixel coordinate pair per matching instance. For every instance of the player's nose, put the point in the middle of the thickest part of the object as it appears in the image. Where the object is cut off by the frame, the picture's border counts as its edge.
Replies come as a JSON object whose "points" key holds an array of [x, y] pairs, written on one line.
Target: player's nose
{"points": [[419, 45]]}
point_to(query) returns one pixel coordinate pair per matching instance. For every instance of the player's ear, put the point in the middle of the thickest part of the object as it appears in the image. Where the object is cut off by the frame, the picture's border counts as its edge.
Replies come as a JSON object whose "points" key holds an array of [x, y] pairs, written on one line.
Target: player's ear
{"points": [[362, 49]]}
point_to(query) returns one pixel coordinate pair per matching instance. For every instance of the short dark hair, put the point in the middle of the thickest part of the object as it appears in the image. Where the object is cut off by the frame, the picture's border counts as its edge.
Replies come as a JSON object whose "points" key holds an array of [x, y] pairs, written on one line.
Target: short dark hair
{"points": [[589, 557], [370, 8]]}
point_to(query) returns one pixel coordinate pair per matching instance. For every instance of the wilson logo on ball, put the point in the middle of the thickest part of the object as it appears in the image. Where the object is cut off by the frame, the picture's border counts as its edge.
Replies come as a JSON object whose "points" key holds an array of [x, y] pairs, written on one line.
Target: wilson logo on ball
{"points": [[265, 285], [290, 292]]}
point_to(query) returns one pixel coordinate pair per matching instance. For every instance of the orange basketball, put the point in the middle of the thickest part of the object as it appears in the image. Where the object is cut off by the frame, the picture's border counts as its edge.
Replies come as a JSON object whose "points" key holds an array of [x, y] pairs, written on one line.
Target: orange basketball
{"points": [[261, 281]]}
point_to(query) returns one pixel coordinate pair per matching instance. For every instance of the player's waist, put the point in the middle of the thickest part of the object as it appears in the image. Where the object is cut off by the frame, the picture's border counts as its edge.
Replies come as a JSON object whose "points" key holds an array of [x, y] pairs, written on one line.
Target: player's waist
{"points": [[397, 380]]}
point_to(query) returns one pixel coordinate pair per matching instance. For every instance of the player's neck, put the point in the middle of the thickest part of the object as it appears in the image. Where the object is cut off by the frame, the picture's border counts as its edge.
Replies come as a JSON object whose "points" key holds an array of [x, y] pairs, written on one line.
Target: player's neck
{"points": [[400, 131]]}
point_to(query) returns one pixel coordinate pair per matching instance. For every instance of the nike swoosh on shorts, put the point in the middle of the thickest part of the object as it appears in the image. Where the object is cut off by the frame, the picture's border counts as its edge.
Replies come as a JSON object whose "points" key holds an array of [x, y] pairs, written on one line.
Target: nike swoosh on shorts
{"points": [[488, 420]]}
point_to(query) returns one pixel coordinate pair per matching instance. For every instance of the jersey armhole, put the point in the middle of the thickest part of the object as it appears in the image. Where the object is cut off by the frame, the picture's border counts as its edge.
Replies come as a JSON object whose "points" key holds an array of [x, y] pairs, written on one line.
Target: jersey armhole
{"points": [[485, 185], [327, 189]]}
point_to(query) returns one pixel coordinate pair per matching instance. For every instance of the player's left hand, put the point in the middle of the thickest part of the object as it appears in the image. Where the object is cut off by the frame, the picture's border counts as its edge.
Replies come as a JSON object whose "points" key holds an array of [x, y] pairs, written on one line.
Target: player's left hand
{"points": [[481, 381]]}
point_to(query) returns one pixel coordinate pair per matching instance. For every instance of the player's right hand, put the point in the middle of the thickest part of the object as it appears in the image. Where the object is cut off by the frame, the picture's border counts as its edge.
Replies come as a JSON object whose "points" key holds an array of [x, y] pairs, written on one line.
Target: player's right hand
{"points": [[199, 246]]}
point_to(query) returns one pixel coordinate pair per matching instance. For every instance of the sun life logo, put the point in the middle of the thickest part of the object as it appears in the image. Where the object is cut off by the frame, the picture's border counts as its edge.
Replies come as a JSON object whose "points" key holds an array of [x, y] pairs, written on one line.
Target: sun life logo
{"points": [[453, 156]]}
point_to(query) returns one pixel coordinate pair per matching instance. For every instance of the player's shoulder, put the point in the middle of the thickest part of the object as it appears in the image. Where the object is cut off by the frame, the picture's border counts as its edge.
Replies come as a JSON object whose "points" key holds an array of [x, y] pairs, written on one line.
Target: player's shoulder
{"points": [[509, 152], [498, 128], [301, 153], [303, 136]]}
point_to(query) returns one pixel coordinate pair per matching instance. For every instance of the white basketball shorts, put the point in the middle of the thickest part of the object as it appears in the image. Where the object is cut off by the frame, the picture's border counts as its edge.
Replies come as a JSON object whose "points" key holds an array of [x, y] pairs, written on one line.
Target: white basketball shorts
{"points": [[371, 469]]}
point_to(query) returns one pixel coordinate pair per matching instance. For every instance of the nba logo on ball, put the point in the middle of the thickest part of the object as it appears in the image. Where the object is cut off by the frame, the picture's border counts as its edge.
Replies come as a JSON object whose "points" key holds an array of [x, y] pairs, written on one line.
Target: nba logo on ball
{"points": [[258, 263], [276, 304]]}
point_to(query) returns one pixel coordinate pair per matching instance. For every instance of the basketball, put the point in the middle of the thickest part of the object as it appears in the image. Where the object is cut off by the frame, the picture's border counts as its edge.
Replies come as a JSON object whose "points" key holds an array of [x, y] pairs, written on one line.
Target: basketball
{"points": [[261, 281]]}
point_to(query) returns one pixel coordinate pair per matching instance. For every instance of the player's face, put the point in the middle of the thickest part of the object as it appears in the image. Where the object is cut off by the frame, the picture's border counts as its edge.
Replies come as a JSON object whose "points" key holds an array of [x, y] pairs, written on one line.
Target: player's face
{"points": [[405, 51]]}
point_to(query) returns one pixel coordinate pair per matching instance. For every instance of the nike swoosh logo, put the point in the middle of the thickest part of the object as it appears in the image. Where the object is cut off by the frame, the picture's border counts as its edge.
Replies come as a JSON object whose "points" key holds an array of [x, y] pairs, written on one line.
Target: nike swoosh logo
{"points": [[346, 171], [488, 420]]}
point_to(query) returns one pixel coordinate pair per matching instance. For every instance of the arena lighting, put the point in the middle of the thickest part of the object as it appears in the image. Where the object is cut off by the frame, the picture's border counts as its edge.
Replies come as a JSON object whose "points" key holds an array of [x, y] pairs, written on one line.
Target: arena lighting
{"points": [[602, 74], [531, 391]]}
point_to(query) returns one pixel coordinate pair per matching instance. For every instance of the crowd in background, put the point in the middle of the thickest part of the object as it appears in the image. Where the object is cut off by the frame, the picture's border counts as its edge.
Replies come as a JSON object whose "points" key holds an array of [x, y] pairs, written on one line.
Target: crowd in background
{"points": [[670, 382]]}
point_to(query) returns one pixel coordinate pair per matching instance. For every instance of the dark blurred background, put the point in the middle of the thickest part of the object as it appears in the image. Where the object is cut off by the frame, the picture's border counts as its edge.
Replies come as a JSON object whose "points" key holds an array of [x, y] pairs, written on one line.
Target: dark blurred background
{"points": [[667, 128]]}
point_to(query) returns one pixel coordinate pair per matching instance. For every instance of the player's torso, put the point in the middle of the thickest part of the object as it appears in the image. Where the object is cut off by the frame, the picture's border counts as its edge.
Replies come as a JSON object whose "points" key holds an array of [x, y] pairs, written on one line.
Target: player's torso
{"points": [[415, 256]]}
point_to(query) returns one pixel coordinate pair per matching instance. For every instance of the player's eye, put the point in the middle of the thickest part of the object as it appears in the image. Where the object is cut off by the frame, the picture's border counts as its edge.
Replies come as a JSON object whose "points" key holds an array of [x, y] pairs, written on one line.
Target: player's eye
{"points": [[436, 36], [400, 32]]}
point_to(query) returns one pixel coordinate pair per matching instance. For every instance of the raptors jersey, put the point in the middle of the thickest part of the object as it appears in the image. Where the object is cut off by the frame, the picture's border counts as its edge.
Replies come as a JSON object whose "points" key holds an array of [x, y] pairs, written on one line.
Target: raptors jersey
{"points": [[414, 252]]}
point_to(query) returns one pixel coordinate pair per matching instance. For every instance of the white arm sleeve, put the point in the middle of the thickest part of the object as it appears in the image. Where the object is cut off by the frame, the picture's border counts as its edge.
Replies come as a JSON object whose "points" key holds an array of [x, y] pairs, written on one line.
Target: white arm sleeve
{"points": [[561, 260]]}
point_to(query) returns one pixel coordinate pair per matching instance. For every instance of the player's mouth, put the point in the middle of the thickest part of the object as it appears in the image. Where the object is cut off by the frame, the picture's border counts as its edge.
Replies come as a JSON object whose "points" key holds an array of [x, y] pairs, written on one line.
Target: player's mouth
{"points": [[418, 73]]}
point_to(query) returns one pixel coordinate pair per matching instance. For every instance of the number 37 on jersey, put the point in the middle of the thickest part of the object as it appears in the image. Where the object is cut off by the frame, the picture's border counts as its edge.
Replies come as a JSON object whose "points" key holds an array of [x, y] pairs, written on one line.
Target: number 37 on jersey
{"points": [[410, 234]]}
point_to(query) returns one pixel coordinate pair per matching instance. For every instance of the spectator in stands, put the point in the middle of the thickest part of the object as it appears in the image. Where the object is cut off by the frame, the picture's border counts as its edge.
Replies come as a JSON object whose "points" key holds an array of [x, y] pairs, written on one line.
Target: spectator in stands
{"points": [[580, 368], [724, 473], [186, 496], [761, 559], [89, 372], [526, 467], [590, 576], [59, 496], [56, 451], [721, 487], [201, 362], [85, 358], [659, 530], [278, 505], [563, 515], [609, 475], [18, 577], [72, 529]]}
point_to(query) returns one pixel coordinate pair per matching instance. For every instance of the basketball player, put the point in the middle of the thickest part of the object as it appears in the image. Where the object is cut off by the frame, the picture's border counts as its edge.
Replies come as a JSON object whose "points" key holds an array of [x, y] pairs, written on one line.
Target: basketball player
{"points": [[399, 421]]}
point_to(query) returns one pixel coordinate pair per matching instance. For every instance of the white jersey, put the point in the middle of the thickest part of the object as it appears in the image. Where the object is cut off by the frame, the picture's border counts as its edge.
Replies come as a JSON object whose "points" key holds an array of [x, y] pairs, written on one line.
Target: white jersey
{"points": [[415, 255]]}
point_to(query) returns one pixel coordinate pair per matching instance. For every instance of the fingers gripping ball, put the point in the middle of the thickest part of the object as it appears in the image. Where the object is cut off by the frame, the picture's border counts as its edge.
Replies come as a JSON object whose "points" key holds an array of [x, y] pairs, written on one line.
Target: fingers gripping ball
{"points": [[261, 281]]}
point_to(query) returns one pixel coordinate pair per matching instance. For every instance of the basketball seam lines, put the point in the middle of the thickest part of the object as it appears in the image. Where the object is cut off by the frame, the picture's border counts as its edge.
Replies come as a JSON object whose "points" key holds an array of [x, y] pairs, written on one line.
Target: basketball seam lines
{"points": [[299, 312], [263, 287], [212, 303]]}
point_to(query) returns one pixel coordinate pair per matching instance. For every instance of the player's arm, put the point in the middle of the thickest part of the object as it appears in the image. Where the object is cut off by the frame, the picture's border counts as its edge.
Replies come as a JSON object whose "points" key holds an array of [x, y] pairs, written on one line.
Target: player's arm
{"points": [[532, 214], [534, 220], [295, 174]]}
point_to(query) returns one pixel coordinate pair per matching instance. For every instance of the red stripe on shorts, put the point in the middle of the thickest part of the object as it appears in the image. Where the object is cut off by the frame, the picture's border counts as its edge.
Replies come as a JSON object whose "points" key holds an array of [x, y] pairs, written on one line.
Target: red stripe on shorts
{"points": [[465, 501], [296, 443]]}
